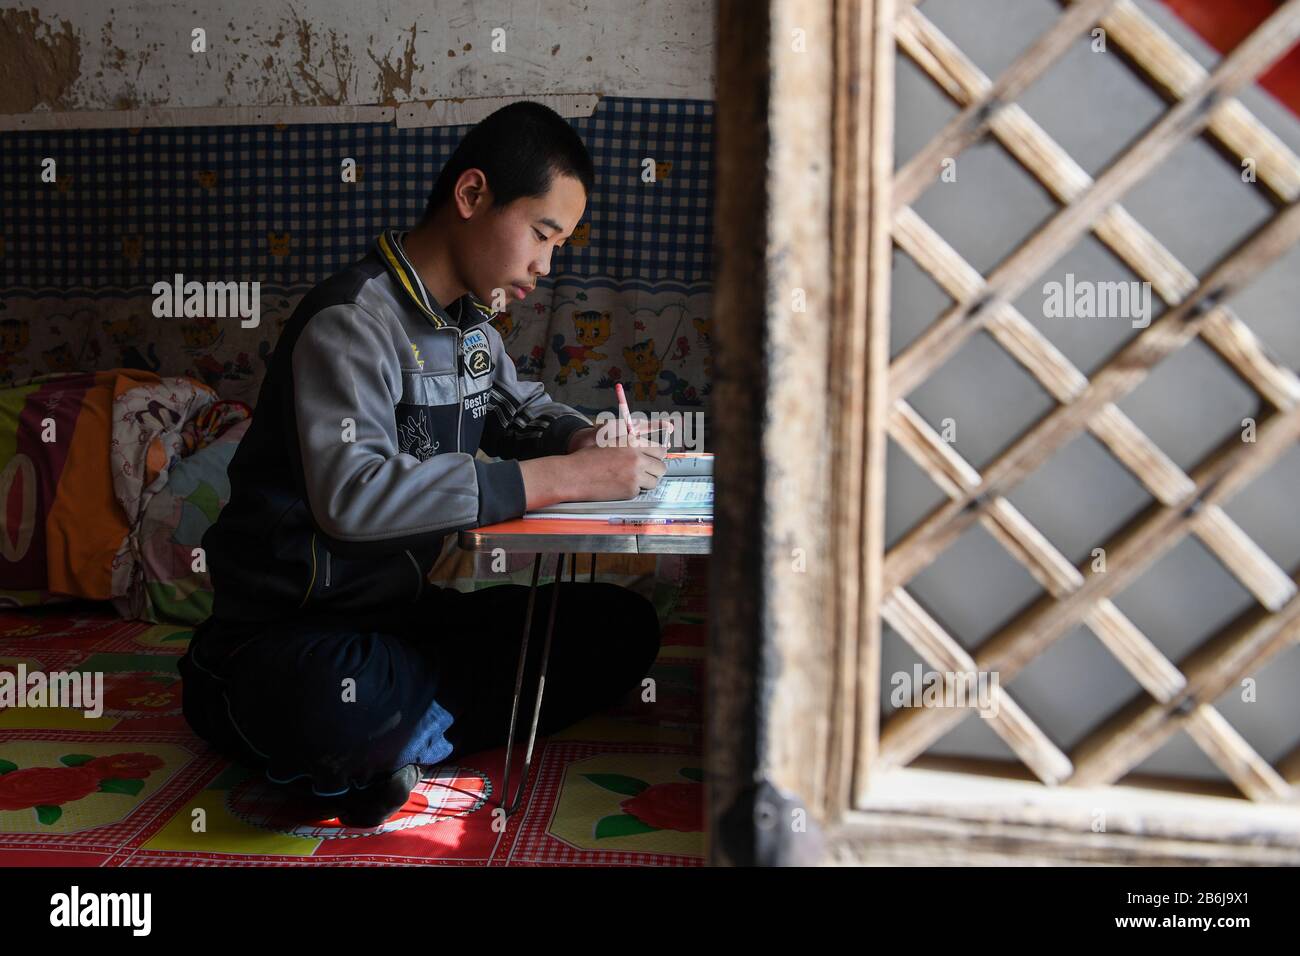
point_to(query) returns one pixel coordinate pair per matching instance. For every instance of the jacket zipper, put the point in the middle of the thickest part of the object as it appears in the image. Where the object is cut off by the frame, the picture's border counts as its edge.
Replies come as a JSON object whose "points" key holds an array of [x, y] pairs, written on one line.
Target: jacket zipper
{"points": [[419, 578], [312, 582], [327, 568], [459, 401]]}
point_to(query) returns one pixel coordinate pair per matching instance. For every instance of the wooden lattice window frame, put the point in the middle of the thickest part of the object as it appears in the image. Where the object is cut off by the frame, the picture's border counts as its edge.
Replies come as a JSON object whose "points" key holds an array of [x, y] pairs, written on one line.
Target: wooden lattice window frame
{"points": [[1175, 696], [794, 666]]}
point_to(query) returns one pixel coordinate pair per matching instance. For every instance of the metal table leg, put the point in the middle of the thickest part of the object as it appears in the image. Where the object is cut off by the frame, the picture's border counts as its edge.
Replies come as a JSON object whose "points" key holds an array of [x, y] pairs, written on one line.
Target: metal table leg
{"points": [[512, 805]]}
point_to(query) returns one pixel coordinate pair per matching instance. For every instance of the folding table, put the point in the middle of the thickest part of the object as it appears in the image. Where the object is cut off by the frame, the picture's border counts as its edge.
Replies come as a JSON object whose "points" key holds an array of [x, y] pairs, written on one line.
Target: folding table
{"points": [[569, 536]]}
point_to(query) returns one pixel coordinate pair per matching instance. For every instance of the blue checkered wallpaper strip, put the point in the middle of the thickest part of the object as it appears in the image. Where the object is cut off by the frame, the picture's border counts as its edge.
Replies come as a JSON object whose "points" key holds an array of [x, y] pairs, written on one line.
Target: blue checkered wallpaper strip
{"points": [[267, 203]]}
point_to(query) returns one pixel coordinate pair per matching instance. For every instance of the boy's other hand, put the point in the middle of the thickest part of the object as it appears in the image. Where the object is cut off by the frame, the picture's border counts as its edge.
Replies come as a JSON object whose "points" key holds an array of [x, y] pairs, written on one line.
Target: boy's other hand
{"points": [[593, 473], [627, 432]]}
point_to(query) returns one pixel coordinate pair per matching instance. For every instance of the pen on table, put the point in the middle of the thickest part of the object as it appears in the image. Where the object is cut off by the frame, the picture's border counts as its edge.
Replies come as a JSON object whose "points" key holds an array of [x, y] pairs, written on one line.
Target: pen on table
{"points": [[660, 520]]}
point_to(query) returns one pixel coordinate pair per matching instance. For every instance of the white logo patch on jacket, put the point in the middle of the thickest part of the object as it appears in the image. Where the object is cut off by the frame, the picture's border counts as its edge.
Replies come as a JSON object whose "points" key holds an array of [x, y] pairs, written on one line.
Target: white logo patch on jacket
{"points": [[476, 354]]}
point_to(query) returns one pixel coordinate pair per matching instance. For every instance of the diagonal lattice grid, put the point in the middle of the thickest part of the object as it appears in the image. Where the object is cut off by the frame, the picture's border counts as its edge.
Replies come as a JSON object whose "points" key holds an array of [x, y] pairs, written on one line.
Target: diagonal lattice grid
{"points": [[1176, 696]]}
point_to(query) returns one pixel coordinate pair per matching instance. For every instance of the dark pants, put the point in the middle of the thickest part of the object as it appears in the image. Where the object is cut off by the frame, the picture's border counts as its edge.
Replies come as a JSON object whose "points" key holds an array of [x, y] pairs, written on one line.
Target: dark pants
{"points": [[341, 701]]}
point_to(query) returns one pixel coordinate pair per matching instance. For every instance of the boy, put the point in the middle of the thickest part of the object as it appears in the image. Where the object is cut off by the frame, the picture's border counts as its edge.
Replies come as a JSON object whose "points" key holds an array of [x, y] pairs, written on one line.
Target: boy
{"points": [[329, 661]]}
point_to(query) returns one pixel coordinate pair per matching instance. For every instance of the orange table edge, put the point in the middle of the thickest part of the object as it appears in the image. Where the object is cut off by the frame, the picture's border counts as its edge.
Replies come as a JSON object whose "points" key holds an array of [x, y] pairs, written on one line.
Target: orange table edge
{"points": [[587, 536]]}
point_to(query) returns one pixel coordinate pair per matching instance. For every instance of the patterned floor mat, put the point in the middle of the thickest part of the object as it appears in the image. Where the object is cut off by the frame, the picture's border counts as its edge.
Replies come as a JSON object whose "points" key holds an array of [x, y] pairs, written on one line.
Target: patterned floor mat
{"points": [[133, 786]]}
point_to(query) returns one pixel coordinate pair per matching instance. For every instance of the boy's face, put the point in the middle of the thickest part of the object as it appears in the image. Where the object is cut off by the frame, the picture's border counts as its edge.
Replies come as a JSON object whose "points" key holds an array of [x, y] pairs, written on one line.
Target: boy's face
{"points": [[509, 248]]}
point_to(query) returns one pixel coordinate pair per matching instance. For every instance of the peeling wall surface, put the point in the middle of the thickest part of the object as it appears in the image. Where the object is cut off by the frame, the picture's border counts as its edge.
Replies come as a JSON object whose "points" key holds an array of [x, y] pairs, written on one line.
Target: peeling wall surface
{"points": [[83, 55]]}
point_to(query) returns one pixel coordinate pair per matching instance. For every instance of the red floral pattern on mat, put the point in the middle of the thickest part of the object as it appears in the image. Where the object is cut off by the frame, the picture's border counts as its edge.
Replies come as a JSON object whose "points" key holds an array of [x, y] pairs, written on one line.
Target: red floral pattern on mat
{"points": [[46, 786], [156, 829], [48, 789], [669, 806]]}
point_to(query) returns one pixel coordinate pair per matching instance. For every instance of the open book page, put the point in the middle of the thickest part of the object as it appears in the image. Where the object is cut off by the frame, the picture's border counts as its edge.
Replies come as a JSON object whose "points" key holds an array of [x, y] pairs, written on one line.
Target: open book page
{"points": [[669, 498], [688, 464]]}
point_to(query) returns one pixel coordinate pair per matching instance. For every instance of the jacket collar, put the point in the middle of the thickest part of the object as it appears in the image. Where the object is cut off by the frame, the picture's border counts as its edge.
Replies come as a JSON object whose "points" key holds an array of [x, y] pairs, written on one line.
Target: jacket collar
{"points": [[389, 246]]}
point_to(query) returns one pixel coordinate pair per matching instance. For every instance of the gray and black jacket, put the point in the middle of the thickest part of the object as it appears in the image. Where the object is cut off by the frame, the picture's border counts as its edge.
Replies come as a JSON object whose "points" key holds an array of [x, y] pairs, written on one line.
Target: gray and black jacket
{"points": [[360, 457]]}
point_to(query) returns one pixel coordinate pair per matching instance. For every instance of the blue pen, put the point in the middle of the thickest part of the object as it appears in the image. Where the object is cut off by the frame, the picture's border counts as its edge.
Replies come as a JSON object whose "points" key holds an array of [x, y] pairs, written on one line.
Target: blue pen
{"points": [[660, 520]]}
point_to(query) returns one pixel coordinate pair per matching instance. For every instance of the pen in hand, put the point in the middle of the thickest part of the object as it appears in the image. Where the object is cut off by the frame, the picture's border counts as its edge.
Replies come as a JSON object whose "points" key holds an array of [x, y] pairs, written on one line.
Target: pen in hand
{"points": [[633, 433], [661, 521], [624, 414]]}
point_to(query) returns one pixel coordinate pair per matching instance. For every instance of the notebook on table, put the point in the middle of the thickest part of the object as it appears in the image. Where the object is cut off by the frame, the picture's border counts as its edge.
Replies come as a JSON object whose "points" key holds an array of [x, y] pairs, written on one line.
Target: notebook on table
{"points": [[685, 491]]}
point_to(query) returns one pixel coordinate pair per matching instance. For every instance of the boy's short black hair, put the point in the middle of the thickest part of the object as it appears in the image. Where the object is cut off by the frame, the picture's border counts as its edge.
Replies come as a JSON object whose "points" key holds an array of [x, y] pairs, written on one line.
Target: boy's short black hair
{"points": [[520, 148]]}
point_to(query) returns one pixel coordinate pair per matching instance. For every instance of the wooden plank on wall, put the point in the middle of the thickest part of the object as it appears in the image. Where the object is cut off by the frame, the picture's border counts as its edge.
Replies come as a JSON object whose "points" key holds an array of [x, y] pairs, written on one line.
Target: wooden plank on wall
{"points": [[741, 131], [849, 231], [939, 817], [859, 356], [800, 654], [773, 653], [879, 275]]}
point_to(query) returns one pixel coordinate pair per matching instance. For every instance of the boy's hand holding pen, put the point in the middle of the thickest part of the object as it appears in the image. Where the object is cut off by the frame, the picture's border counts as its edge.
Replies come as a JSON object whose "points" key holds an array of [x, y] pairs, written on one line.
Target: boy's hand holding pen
{"points": [[632, 464], [629, 429]]}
